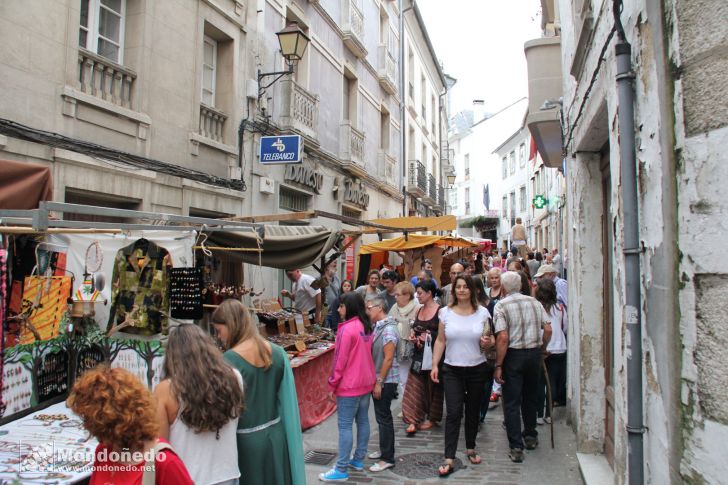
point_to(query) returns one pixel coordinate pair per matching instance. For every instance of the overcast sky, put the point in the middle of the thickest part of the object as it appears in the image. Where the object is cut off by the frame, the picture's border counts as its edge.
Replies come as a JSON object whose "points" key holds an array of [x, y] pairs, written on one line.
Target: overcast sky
{"points": [[480, 43]]}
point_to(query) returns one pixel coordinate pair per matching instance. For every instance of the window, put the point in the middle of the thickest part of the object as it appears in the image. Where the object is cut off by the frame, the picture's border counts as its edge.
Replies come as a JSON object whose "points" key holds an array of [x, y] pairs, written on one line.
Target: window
{"points": [[434, 110], [467, 200], [522, 155], [384, 132], [505, 167], [453, 196], [209, 71], [350, 100], [411, 64], [512, 162], [411, 141], [349, 212], [292, 200], [423, 93], [512, 205], [466, 163], [101, 28], [505, 207], [85, 197], [522, 198], [424, 154]]}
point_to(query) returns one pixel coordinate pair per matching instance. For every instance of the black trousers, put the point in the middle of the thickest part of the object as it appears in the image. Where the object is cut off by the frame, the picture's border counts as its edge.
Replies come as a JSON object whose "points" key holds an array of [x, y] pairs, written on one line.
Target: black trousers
{"points": [[485, 402], [521, 369], [463, 386], [383, 414]]}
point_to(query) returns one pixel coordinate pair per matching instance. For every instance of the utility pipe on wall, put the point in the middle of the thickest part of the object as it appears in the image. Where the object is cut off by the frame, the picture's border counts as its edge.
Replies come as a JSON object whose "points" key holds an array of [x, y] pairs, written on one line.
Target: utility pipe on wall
{"points": [[630, 205]]}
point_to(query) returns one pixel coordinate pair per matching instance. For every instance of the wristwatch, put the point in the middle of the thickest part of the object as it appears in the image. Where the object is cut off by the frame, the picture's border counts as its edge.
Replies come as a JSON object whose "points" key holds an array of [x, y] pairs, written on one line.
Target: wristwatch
{"points": [[499, 365], [380, 381]]}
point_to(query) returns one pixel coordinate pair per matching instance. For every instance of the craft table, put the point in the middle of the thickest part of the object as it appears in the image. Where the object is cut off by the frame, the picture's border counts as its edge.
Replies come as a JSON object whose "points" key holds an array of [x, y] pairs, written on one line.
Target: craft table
{"points": [[47, 450], [311, 369]]}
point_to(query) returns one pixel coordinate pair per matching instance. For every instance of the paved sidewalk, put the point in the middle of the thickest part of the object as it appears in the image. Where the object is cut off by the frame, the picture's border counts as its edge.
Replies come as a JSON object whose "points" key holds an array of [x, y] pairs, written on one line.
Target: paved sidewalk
{"points": [[542, 465]]}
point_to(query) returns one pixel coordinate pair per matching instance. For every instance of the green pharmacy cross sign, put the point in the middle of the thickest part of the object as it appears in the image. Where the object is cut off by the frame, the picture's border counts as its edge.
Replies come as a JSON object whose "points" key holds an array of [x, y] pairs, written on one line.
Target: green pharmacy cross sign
{"points": [[539, 202]]}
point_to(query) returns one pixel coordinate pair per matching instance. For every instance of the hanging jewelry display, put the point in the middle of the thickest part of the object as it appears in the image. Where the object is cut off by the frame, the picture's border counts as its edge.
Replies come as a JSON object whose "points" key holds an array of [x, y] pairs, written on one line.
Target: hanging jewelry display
{"points": [[185, 293]]}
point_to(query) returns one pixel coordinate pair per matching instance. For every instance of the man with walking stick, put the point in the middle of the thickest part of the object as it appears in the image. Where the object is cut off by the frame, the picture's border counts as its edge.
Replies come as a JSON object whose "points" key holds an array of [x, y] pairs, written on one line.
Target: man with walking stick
{"points": [[518, 321]]}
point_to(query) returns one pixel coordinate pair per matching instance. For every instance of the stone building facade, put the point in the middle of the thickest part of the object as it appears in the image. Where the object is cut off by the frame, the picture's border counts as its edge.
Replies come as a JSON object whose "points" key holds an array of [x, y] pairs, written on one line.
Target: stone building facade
{"points": [[155, 106], [678, 55]]}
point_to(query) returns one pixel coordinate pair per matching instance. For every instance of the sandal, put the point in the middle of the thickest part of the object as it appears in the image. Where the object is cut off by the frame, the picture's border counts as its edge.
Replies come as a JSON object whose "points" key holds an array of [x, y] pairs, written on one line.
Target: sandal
{"points": [[411, 430], [473, 457], [448, 470], [425, 425]]}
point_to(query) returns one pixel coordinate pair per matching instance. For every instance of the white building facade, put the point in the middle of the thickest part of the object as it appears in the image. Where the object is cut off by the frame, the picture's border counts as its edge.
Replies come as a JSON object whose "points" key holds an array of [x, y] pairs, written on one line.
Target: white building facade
{"points": [[425, 118], [478, 169]]}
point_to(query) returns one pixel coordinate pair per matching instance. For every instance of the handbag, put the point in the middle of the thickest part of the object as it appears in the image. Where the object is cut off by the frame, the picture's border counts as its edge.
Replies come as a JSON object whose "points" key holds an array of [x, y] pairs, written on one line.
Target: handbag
{"points": [[427, 354]]}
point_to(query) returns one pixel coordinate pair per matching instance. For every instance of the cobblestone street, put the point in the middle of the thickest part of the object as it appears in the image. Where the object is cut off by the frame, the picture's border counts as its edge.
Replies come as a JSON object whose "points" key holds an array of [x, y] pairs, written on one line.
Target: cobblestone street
{"points": [[542, 465]]}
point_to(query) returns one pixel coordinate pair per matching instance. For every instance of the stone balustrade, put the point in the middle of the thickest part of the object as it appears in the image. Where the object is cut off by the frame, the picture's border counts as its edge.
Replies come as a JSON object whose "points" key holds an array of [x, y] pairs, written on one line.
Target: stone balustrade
{"points": [[105, 79]]}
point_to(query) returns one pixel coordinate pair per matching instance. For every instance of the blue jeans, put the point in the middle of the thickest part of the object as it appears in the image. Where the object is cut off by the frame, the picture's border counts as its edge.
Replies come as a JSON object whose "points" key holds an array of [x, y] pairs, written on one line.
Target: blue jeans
{"points": [[348, 410]]}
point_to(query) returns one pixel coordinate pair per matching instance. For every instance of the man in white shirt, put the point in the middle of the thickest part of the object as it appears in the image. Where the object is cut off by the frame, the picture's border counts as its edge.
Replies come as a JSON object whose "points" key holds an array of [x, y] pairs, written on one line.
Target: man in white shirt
{"points": [[305, 299], [562, 288], [556, 259]]}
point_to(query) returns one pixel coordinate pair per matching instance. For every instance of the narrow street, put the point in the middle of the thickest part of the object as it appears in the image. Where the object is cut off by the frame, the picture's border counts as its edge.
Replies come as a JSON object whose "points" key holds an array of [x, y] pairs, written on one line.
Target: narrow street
{"points": [[542, 465]]}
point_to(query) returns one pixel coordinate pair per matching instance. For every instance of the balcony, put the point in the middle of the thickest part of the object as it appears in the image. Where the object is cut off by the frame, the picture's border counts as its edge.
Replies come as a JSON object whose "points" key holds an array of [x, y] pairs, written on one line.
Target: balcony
{"points": [[352, 150], [299, 110], [543, 57], [430, 197], [387, 71], [387, 173], [416, 179], [440, 200], [104, 79], [353, 27], [212, 123]]}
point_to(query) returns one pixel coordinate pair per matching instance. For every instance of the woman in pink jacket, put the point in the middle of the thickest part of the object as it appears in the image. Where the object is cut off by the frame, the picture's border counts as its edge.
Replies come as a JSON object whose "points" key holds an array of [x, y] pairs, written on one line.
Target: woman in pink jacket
{"points": [[352, 380]]}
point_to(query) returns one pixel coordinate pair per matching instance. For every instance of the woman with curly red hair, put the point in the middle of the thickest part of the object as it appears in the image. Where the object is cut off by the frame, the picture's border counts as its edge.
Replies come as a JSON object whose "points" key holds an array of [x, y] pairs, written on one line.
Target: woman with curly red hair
{"points": [[198, 404], [119, 411]]}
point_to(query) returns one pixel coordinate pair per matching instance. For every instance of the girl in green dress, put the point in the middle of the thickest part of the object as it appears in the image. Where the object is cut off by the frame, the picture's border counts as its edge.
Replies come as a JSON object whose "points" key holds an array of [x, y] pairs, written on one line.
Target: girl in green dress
{"points": [[270, 444]]}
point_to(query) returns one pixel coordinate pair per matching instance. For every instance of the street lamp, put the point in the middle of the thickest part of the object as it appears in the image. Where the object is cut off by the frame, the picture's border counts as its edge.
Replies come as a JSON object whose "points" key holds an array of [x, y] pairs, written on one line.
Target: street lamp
{"points": [[293, 42], [451, 178]]}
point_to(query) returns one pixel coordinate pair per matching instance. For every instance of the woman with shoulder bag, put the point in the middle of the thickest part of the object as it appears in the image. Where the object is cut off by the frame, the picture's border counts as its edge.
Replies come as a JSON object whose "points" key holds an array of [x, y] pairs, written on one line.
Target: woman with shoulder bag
{"points": [[463, 338], [423, 398], [404, 311]]}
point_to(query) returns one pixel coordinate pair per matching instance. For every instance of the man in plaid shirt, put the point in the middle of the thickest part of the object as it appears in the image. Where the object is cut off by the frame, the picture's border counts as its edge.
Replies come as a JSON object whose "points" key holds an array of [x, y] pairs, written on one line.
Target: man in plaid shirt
{"points": [[519, 321]]}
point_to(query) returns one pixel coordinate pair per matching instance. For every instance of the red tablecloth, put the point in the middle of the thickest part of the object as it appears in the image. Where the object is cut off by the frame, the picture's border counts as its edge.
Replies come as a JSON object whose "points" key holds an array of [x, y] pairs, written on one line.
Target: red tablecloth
{"points": [[313, 392]]}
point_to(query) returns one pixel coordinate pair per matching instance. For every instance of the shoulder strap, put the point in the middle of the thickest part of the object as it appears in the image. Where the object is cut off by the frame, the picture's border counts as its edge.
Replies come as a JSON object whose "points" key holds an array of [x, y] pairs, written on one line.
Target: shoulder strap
{"points": [[149, 477]]}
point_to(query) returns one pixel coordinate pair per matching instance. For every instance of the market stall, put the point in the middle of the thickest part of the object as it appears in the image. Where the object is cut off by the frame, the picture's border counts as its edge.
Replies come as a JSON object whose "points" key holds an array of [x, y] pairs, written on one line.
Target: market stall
{"points": [[69, 301], [414, 248]]}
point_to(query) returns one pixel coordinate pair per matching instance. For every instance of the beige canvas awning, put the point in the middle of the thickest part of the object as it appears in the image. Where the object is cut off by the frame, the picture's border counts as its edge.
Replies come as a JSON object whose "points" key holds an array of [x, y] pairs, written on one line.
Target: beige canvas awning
{"points": [[440, 223], [283, 247]]}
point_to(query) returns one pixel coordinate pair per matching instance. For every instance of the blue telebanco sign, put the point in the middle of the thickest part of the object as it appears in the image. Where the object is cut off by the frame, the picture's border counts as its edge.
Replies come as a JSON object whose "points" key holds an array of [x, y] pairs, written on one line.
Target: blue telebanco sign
{"points": [[281, 149]]}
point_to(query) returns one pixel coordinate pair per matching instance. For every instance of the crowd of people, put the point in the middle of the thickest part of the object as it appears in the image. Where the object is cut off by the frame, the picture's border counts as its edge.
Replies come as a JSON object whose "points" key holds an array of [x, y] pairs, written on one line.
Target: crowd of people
{"points": [[484, 334], [491, 331]]}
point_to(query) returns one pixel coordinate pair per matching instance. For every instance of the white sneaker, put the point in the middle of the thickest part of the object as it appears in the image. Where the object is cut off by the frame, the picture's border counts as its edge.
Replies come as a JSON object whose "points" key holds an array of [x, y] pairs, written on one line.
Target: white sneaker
{"points": [[547, 420], [380, 466], [539, 421], [374, 455]]}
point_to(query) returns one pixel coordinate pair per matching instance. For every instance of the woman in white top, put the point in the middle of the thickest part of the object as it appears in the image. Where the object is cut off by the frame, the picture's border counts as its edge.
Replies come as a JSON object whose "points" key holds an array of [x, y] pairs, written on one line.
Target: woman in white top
{"points": [[198, 405], [556, 350], [463, 337]]}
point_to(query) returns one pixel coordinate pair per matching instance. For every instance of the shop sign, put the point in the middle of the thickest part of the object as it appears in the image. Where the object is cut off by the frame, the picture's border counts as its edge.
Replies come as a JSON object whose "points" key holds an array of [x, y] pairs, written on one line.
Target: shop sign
{"points": [[349, 259], [355, 193], [304, 175], [281, 149]]}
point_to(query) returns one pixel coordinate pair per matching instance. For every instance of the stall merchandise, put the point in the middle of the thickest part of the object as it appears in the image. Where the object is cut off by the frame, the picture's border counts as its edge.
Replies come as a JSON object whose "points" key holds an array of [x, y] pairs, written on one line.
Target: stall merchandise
{"points": [[140, 285], [48, 446], [185, 293]]}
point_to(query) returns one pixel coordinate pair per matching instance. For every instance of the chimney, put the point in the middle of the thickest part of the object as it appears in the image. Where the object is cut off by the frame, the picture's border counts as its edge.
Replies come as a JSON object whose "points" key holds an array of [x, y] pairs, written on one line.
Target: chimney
{"points": [[478, 110]]}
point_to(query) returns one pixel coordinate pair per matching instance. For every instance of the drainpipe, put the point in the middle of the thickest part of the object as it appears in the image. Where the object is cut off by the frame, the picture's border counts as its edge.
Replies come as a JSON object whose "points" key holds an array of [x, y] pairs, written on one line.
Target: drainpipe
{"points": [[633, 308], [402, 98]]}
